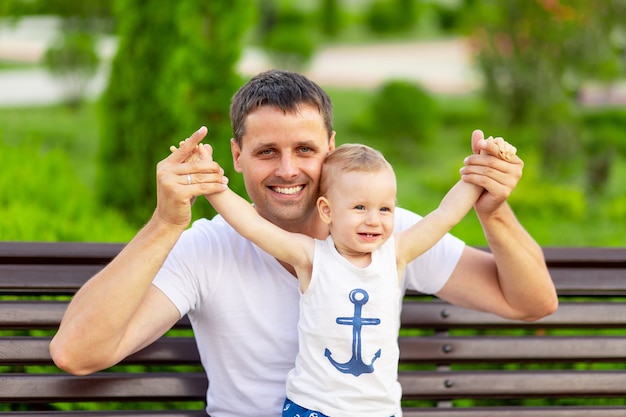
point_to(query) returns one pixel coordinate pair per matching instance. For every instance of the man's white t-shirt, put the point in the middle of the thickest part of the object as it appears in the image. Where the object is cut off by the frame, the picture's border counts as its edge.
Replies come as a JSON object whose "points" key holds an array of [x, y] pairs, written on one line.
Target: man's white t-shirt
{"points": [[243, 306]]}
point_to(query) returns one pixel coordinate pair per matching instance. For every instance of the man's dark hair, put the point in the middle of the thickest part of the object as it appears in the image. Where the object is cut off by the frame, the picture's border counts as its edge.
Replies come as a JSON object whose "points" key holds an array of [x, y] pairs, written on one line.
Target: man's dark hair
{"points": [[285, 90]]}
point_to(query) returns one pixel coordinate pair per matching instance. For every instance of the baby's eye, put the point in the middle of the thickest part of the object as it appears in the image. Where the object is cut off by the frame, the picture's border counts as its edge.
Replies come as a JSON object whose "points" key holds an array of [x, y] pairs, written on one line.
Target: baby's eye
{"points": [[385, 209], [359, 207]]}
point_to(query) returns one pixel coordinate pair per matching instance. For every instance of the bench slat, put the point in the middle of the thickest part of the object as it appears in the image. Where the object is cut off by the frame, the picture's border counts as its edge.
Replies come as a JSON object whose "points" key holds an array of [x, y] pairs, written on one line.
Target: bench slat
{"points": [[594, 257], [426, 349], [43, 314], [519, 349], [440, 315], [165, 351], [58, 252], [105, 386], [32, 314], [120, 413], [44, 278], [518, 412], [447, 385]]}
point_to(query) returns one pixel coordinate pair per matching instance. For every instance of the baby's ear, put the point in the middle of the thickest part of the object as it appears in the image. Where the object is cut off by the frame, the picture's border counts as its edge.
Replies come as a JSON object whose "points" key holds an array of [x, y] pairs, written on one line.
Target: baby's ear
{"points": [[323, 208]]}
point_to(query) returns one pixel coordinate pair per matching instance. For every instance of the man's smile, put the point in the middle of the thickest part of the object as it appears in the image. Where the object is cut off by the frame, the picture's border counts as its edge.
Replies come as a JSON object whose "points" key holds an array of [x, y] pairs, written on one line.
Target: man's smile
{"points": [[288, 190]]}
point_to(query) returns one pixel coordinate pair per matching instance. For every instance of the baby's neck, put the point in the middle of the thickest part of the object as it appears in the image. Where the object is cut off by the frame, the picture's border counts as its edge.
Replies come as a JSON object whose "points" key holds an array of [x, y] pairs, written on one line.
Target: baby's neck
{"points": [[358, 259]]}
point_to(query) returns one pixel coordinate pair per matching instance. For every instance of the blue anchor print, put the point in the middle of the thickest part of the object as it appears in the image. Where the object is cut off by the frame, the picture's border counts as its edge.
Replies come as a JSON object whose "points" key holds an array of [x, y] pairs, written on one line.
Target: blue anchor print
{"points": [[355, 365]]}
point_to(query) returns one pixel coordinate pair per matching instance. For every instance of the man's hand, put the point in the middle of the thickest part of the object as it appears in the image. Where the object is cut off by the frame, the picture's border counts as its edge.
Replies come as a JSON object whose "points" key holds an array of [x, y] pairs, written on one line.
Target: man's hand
{"points": [[185, 174], [495, 167]]}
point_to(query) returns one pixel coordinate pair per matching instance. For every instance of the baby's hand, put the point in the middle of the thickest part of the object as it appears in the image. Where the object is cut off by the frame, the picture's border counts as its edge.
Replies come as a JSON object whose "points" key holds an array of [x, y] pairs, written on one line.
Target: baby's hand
{"points": [[506, 150], [193, 157]]}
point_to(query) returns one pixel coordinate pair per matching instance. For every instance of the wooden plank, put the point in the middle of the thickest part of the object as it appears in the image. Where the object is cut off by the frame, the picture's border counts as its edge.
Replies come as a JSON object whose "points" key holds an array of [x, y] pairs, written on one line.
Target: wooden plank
{"points": [[448, 385], [441, 315], [591, 256], [519, 349], [165, 351], [31, 314], [427, 349], [58, 252], [120, 413], [44, 278], [42, 314], [32, 251], [513, 411], [589, 281], [103, 387]]}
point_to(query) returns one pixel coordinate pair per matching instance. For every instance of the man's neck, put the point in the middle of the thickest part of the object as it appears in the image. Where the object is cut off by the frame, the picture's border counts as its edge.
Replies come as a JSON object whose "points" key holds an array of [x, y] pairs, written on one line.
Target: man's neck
{"points": [[314, 228]]}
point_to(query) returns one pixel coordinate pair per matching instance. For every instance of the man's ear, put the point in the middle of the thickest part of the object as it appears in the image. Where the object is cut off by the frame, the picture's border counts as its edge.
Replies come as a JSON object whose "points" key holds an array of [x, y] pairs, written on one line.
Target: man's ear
{"points": [[323, 208], [236, 151], [331, 141]]}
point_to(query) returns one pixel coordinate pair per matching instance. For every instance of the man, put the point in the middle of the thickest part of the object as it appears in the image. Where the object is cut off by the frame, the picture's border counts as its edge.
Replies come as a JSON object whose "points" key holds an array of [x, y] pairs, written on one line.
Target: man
{"points": [[243, 304]]}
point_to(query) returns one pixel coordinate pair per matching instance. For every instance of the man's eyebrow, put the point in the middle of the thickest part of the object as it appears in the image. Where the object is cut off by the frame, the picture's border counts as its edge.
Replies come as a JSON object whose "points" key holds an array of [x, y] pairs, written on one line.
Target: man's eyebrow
{"points": [[299, 144]]}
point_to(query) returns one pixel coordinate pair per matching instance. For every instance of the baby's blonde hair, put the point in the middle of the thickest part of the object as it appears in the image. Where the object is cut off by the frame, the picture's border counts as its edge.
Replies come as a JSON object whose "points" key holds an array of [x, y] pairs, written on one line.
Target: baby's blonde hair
{"points": [[347, 158]]}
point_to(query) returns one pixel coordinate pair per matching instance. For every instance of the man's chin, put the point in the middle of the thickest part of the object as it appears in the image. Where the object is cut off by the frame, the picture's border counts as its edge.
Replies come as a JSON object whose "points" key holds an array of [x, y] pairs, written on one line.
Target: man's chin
{"points": [[286, 217]]}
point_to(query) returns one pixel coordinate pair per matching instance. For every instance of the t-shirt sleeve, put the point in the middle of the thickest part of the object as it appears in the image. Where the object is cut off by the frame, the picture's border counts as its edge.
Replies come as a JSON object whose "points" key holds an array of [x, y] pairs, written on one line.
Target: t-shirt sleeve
{"points": [[430, 271], [176, 278]]}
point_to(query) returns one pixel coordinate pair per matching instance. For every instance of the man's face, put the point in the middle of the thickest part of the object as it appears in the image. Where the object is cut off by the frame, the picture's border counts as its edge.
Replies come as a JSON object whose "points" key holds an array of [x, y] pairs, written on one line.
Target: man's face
{"points": [[281, 159]]}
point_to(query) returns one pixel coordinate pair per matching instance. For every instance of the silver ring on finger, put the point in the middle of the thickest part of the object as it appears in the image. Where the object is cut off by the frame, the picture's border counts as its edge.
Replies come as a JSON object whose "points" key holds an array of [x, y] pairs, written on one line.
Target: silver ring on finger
{"points": [[188, 179]]}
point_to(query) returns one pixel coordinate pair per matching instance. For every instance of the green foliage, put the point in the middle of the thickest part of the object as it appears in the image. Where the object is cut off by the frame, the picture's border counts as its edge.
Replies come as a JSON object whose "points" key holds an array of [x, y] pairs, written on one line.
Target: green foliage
{"points": [[331, 18], [401, 113], [78, 12], [385, 16], [173, 72], [73, 59], [287, 37], [137, 127], [43, 199], [603, 140], [200, 79], [536, 55]]}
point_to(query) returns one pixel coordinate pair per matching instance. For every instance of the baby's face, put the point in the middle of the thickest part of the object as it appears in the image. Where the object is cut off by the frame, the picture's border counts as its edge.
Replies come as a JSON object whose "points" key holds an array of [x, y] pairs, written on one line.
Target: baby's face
{"points": [[362, 206]]}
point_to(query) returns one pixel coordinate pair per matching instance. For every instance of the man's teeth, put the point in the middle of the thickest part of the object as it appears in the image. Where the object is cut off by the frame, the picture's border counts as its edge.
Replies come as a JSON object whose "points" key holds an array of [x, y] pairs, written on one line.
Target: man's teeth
{"points": [[288, 190]]}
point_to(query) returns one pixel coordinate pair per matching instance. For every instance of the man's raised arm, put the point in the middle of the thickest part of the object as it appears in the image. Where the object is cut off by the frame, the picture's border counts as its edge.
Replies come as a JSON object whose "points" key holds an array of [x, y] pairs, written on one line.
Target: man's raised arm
{"points": [[513, 280], [119, 311]]}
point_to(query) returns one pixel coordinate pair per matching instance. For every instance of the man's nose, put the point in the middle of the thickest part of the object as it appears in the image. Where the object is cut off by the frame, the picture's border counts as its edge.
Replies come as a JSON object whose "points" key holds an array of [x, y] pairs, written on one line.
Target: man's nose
{"points": [[288, 167]]}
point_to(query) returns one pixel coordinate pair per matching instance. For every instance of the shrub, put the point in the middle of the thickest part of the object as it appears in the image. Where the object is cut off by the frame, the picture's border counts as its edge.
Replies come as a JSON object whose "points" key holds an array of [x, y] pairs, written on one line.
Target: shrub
{"points": [[401, 114], [44, 200]]}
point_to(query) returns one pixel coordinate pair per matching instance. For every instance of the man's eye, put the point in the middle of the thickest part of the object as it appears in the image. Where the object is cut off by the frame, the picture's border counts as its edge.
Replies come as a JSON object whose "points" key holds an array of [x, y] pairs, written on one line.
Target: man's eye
{"points": [[266, 152], [305, 149]]}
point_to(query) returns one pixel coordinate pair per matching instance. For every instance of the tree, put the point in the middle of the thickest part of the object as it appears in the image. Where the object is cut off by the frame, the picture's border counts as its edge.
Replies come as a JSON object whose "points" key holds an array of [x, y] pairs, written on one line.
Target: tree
{"points": [[286, 35], [74, 60], [174, 70], [536, 54], [73, 56]]}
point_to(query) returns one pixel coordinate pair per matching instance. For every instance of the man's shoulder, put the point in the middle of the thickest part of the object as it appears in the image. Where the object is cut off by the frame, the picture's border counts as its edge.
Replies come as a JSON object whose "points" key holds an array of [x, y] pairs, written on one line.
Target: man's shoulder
{"points": [[215, 231], [404, 218]]}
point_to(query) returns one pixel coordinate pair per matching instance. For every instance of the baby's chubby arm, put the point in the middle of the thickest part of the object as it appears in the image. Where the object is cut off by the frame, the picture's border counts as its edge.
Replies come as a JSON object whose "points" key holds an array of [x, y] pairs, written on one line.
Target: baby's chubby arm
{"points": [[455, 205], [295, 249]]}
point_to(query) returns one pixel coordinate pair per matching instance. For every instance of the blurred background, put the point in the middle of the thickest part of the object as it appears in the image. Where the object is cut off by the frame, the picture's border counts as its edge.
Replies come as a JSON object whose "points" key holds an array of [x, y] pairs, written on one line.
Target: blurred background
{"points": [[92, 94]]}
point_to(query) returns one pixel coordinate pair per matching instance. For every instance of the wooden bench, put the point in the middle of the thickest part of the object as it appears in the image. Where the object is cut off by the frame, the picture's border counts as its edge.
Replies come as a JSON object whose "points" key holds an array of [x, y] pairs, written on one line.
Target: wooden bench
{"points": [[454, 362]]}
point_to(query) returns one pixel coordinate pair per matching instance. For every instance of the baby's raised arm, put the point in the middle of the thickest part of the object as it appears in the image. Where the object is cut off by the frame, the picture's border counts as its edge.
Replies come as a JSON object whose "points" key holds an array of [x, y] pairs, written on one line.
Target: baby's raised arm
{"points": [[295, 249], [455, 205]]}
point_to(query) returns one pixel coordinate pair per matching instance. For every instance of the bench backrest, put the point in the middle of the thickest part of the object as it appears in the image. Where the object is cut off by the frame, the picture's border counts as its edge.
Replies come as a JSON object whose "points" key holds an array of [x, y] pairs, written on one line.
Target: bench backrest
{"points": [[451, 357]]}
